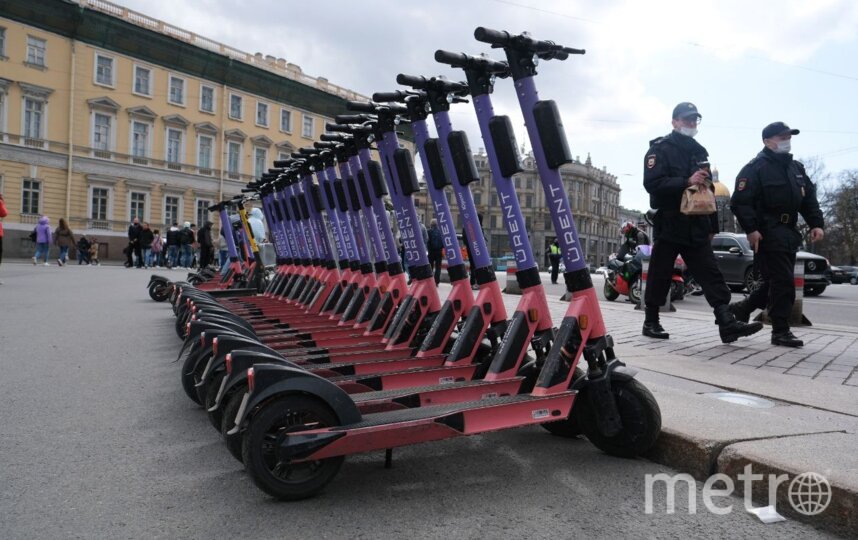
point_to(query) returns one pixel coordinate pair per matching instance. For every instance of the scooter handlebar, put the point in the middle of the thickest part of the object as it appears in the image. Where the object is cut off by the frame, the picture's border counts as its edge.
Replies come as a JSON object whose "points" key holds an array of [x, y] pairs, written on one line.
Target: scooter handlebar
{"points": [[361, 106], [387, 97], [546, 50], [282, 163], [414, 81], [332, 137], [353, 118], [494, 37], [337, 128], [308, 151], [466, 61], [325, 144]]}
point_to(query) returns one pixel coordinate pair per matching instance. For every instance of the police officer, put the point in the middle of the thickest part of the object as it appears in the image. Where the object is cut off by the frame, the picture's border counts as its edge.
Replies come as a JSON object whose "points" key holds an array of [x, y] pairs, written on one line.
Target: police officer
{"points": [[769, 194], [554, 259], [672, 164]]}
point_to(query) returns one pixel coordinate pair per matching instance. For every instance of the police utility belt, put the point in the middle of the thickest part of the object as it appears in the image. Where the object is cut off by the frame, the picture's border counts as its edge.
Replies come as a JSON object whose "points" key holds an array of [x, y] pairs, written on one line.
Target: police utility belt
{"points": [[781, 219]]}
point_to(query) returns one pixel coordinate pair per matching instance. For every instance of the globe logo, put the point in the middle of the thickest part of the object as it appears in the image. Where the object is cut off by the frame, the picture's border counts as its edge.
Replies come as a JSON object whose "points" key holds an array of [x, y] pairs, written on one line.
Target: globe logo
{"points": [[809, 493]]}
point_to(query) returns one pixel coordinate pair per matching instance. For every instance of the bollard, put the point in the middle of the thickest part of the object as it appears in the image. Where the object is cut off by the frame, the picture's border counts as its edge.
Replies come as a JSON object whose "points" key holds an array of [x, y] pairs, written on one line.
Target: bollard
{"points": [[511, 281], [796, 316], [668, 304], [445, 276]]}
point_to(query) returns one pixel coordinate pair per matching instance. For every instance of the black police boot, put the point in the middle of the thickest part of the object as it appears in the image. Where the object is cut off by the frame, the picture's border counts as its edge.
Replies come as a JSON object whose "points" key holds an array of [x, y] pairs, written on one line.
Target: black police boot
{"points": [[732, 329], [742, 310], [785, 338], [651, 327]]}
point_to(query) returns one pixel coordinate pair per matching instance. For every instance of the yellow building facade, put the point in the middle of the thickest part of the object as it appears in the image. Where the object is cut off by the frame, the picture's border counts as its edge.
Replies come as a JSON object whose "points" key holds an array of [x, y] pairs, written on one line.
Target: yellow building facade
{"points": [[107, 114]]}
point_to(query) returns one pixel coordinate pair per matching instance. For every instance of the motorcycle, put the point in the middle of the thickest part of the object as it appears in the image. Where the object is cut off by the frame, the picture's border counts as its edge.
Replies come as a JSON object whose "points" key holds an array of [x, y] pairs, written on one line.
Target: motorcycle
{"points": [[624, 277]]}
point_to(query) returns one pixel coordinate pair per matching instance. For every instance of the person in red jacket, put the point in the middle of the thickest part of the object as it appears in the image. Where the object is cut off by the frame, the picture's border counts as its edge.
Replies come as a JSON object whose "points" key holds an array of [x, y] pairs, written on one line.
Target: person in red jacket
{"points": [[2, 215]]}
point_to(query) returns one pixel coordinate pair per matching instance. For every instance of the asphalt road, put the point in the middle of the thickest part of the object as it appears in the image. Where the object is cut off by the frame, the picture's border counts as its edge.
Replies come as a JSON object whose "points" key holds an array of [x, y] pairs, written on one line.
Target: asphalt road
{"points": [[836, 306], [99, 441]]}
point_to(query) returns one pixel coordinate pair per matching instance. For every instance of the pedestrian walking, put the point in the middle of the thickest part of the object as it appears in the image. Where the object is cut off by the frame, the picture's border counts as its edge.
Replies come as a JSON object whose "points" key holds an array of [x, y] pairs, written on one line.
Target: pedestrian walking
{"points": [[186, 242], [134, 250], [672, 164], [42, 237], [435, 248], [64, 240], [3, 213], [770, 193], [172, 246], [554, 259], [146, 239], [204, 238], [83, 245], [93, 252], [157, 248]]}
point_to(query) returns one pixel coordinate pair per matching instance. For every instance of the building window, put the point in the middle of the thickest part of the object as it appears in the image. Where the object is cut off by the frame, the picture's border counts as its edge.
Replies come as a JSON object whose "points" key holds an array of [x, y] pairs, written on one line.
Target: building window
{"points": [[101, 136], [285, 121], [2, 42], [478, 198], [235, 106], [174, 147], [207, 99], [36, 51], [528, 201], [140, 139], [137, 206], [103, 70], [529, 183], [233, 162], [142, 81], [177, 91], [99, 200], [34, 111], [283, 156], [204, 156], [260, 157], [527, 223], [31, 194], [261, 114], [171, 209], [307, 127], [202, 212]]}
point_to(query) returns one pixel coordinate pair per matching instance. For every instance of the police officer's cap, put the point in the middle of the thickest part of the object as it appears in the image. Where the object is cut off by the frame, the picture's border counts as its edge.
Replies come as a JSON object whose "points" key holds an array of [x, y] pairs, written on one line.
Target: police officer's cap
{"points": [[686, 109], [778, 128]]}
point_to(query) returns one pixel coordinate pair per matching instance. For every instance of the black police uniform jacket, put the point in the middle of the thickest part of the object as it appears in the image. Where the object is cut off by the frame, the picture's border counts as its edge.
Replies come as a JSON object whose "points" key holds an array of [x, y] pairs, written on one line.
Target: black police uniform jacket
{"points": [[770, 192], [669, 163]]}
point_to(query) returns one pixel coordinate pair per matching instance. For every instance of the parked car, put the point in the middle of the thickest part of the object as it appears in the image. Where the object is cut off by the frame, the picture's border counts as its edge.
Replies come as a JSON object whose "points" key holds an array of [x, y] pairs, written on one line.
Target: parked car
{"points": [[842, 274], [736, 262], [853, 279]]}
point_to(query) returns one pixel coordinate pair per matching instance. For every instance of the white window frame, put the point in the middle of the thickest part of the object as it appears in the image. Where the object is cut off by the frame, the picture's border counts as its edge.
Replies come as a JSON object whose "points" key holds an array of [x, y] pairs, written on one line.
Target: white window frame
{"points": [[4, 99], [214, 99], [3, 42], [147, 204], [240, 107], [109, 211], [281, 156], [151, 84], [170, 79], [289, 130], [257, 173], [312, 120], [197, 201], [179, 208], [44, 50], [181, 156], [43, 125], [41, 198], [240, 150], [111, 136], [200, 166], [267, 111], [95, 80], [150, 127]]}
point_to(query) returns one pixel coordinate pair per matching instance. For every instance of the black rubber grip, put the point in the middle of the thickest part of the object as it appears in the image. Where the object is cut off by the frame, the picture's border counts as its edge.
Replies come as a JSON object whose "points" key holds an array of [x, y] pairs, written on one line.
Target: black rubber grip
{"points": [[414, 81], [451, 58], [360, 106], [337, 128], [352, 118], [282, 162], [329, 137], [495, 37], [386, 97]]}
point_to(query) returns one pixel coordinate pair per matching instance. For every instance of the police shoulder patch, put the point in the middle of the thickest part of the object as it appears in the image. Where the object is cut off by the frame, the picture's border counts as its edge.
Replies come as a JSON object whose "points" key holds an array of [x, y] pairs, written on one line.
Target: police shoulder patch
{"points": [[650, 161], [740, 185]]}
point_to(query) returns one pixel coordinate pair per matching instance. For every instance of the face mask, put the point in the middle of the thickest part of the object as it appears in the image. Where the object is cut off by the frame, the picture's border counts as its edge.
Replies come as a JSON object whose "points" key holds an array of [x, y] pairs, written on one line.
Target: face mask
{"points": [[783, 147], [687, 131]]}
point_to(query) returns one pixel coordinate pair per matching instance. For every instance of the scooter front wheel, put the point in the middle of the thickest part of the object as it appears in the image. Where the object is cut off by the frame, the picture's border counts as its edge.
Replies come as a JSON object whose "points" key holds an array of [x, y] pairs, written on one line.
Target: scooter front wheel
{"points": [[159, 291], [273, 475], [610, 292], [639, 414]]}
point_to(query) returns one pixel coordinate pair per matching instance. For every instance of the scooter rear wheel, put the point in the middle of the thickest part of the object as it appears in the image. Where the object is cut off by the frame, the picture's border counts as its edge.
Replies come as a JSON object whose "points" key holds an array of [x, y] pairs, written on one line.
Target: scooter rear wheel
{"points": [[231, 405], [276, 477], [639, 413]]}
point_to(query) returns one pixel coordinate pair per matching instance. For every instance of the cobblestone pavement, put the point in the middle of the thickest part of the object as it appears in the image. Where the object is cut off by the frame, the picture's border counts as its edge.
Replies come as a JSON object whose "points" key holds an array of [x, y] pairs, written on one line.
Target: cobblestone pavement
{"points": [[829, 355]]}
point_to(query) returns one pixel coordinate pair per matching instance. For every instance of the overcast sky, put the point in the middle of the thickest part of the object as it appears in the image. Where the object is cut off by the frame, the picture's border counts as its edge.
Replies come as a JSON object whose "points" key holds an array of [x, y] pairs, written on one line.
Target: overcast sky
{"points": [[743, 63]]}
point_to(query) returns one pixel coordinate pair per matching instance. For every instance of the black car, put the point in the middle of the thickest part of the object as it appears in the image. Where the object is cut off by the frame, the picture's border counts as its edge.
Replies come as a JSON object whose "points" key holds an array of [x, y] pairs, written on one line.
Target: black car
{"points": [[736, 262], [842, 274]]}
